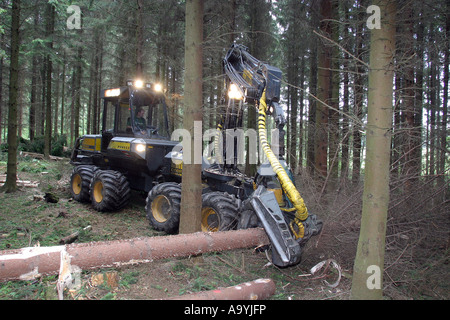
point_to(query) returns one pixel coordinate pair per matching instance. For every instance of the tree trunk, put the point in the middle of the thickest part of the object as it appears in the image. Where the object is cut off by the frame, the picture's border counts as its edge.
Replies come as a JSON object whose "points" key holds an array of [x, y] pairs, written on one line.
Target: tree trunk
{"points": [[191, 200], [40, 123], [259, 44], [302, 107], [443, 137], [419, 106], [345, 101], [323, 92], [358, 100], [139, 41], [369, 261], [1, 88], [48, 109], [63, 92], [412, 139], [56, 107], [77, 93], [333, 126], [433, 104], [11, 169], [313, 91], [293, 80]]}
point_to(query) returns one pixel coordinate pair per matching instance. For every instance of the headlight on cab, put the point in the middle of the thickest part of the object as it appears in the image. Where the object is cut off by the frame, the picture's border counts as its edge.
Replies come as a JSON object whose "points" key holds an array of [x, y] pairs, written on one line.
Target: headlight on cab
{"points": [[139, 147]]}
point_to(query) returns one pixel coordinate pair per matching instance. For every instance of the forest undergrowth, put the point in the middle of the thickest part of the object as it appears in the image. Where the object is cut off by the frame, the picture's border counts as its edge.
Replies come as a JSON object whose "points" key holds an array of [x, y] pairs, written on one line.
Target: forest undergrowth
{"points": [[417, 236], [416, 259]]}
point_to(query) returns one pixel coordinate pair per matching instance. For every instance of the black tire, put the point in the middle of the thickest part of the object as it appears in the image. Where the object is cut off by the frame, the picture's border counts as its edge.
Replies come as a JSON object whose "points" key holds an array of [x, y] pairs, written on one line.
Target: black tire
{"points": [[248, 218], [80, 182], [219, 212], [110, 190], [163, 207]]}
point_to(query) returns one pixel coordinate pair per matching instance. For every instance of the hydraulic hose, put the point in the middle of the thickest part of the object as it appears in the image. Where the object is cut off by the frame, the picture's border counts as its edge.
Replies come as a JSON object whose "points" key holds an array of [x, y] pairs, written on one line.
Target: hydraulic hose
{"points": [[291, 191]]}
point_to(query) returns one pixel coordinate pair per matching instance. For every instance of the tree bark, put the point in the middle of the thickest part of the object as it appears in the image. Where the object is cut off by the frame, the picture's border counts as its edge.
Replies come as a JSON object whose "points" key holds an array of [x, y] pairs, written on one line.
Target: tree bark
{"points": [[443, 138], [11, 169], [139, 41], [63, 92], [323, 92], [77, 92], [191, 199], [293, 80], [1, 88], [358, 100], [48, 109], [412, 138], [313, 91], [371, 244]]}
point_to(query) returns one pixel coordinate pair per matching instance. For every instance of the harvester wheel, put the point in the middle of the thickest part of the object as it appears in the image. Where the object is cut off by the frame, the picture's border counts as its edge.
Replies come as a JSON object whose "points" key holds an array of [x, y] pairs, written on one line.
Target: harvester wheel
{"points": [[110, 190], [80, 181], [219, 212], [163, 207]]}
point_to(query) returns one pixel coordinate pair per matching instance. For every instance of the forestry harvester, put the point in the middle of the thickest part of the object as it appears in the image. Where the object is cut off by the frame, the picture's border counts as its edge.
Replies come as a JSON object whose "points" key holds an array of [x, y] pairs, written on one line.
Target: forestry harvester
{"points": [[134, 151]]}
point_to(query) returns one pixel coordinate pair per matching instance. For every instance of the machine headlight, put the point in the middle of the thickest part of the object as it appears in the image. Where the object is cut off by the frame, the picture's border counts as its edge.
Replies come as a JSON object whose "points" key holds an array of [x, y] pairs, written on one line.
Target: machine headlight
{"points": [[112, 92], [234, 92], [139, 147], [139, 84], [157, 87]]}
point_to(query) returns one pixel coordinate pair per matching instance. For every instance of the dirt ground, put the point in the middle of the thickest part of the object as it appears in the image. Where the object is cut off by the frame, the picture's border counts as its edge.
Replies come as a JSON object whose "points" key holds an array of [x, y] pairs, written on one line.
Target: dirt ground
{"points": [[28, 220]]}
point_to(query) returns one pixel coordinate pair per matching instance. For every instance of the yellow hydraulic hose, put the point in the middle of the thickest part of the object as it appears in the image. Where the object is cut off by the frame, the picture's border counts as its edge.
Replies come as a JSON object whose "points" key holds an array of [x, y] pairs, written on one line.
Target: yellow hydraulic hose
{"points": [[286, 183]]}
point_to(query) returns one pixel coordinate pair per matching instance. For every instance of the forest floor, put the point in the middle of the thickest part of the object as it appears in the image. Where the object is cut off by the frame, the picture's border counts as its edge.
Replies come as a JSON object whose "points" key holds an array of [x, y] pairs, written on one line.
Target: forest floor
{"points": [[28, 220]]}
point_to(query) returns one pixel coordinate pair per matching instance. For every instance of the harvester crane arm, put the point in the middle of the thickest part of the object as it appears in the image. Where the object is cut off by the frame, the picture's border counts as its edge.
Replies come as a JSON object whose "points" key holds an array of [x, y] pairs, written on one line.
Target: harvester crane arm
{"points": [[259, 83]]}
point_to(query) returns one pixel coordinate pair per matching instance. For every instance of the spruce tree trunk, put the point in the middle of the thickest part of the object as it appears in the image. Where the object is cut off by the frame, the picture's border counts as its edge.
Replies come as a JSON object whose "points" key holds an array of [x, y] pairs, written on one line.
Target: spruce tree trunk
{"points": [[191, 191], [63, 92], [358, 96], [444, 131], [11, 169], [369, 262], [139, 41], [312, 90], [1, 87], [323, 92], [49, 71], [77, 93]]}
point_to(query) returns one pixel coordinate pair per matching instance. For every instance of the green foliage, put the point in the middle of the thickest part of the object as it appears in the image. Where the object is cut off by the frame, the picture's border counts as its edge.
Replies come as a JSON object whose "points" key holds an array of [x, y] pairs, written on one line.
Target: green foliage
{"points": [[25, 290], [37, 145], [129, 278]]}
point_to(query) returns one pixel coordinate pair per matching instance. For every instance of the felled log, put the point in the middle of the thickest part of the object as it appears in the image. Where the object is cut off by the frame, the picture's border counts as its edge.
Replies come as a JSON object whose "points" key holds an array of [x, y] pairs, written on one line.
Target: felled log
{"points": [[20, 183], [30, 263], [39, 156], [260, 289]]}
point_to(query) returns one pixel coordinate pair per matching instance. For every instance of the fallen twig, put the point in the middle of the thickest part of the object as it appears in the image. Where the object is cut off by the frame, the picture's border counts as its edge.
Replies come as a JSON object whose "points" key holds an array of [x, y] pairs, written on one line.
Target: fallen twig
{"points": [[72, 237]]}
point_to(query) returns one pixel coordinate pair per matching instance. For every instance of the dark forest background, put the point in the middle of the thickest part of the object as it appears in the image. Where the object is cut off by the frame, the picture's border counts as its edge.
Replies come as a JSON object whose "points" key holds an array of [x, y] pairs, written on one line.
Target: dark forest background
{"points": [[62, 70]]}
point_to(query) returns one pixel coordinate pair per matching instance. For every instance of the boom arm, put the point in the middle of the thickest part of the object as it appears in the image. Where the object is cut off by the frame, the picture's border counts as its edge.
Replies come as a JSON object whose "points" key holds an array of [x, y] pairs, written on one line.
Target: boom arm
{"points": [[254, 79], [260, 83]]}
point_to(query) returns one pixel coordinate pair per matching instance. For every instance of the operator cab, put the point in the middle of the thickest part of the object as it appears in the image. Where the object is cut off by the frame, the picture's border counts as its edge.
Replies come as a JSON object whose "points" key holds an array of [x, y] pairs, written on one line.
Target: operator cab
{"points": [[136, 110]]}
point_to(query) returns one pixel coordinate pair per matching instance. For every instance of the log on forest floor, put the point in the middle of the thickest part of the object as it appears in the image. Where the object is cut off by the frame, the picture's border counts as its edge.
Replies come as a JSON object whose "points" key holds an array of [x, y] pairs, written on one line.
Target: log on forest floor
{"points": [[40, 156], [20, 183]]}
